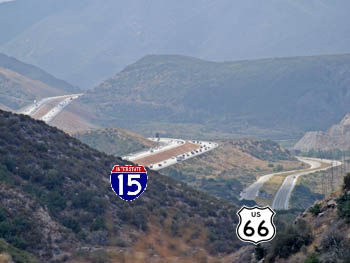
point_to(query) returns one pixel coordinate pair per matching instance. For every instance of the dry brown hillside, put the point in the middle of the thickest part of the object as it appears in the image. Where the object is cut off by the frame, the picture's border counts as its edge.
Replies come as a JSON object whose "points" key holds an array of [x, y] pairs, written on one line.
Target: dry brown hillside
{"points": [[321, 234], [114, 141], [56, 204], [226, 170], [21, 83], [17, 90]]}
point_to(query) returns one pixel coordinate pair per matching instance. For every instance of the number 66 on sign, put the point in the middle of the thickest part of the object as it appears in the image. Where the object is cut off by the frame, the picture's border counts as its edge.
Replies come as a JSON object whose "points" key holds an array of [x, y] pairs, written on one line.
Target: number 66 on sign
{"points": [[256, 224]]}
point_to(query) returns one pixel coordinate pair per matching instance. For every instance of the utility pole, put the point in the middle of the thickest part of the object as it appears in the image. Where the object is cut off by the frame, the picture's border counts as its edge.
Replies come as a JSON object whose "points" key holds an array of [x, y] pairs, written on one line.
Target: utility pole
{"points": [[337, 168], [332, 178], [323, 175], [344, 168], [328, 182], [158, 139], [345, 161]]}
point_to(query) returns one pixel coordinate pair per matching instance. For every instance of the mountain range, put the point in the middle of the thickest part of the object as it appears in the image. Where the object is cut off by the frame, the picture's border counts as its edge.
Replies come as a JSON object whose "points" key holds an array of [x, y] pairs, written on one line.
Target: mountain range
{"points": [[179, 96], [21, 83], [275, 98], [87, 41]]}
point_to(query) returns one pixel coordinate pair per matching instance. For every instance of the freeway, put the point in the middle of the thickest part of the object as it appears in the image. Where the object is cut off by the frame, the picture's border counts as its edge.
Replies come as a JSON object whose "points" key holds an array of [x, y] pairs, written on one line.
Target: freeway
{"points": [[282, 197], [169, 152], [48, 108], [252, 191], [281, 200], [59, 107], [164, 144]]}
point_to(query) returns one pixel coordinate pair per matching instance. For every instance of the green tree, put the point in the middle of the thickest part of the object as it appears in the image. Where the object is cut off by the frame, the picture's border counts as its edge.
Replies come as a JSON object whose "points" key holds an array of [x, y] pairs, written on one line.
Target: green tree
{"points": [[347, 181], [344, 207], [316, 209]]}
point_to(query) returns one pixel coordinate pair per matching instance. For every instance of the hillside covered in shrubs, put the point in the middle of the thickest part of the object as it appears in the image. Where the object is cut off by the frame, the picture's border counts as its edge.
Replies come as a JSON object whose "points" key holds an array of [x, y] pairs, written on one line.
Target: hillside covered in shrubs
{"points": [[106, 140], [56, 204], [319, 235]]}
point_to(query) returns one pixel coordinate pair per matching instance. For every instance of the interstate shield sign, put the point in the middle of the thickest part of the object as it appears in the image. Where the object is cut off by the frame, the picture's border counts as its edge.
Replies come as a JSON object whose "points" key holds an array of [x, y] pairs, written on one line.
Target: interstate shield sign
{"points": [[256, 224]]}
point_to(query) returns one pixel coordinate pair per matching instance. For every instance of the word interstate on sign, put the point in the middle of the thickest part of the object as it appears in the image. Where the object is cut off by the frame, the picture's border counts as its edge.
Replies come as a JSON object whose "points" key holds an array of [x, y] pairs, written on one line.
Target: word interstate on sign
{"points": [[128, 169], [129, 182], [256, 224]]}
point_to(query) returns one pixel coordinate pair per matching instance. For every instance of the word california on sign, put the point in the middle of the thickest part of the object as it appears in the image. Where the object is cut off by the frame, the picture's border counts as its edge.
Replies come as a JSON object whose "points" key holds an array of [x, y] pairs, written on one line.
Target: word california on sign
{"points": [[129, 181]]}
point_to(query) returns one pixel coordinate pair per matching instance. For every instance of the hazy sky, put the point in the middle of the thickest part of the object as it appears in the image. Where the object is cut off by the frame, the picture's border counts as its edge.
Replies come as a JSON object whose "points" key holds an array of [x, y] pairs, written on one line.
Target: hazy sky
{"points": [[4, 1], [87, 41]]}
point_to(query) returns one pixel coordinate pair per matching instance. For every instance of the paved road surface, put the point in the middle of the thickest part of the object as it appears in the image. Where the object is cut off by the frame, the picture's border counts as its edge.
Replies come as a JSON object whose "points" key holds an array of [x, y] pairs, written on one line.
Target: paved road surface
{"points": [[59, 102], [169, 152], [164, 144], [59, 107], [282, 197], [252, 191]]}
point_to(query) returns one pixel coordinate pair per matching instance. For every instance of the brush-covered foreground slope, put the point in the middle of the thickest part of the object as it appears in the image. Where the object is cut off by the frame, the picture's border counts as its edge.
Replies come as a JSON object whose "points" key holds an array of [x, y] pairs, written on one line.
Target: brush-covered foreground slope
{"points": [[21, 83], [114, 141], [85, 41], [56, 203], [319, 235], [270, 97], [228, 169]]}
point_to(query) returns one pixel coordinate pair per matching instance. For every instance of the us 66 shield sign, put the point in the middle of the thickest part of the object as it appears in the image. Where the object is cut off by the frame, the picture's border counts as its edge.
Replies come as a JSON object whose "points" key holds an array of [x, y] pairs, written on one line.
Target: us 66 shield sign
{"points": [[128, 181], [256, 224]]}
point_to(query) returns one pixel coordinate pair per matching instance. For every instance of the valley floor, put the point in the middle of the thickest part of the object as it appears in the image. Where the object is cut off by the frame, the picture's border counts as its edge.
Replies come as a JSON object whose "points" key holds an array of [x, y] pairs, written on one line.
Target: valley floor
{"points": [[280, 198]]}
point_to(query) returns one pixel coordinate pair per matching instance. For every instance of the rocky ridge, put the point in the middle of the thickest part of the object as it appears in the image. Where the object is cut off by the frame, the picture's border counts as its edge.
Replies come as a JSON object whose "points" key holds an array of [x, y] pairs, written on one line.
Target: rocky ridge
{"points": [[336, 137]]}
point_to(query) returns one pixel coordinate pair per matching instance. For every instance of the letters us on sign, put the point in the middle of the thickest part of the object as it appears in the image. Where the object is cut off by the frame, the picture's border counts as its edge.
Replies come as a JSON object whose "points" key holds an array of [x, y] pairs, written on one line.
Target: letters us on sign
{"points": [[256, 224]]}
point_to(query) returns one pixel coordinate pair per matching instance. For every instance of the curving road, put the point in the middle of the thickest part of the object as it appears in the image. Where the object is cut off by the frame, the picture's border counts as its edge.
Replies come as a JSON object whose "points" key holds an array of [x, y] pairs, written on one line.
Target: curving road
{"points": [[56, 105], [252, 191], [282, 197], [169, 152], [52, 113], [281, 200]]}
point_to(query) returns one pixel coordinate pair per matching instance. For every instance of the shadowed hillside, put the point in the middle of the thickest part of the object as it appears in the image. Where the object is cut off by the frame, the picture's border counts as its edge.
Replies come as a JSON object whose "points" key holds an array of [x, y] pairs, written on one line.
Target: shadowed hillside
{"points": [[56, 203], [21, 83], [276, 98], [114, 141]]}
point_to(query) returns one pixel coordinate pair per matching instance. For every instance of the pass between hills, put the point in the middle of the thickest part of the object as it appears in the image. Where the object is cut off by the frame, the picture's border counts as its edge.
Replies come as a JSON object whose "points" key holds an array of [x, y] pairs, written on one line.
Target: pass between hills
{"points": [[170, 151]]}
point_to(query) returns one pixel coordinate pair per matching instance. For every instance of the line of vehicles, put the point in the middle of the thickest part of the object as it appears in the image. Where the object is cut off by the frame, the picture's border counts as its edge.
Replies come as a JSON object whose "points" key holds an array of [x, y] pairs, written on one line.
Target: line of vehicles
{"points": [[164, 144], [58, 108], [36, 105], [204, 147]]}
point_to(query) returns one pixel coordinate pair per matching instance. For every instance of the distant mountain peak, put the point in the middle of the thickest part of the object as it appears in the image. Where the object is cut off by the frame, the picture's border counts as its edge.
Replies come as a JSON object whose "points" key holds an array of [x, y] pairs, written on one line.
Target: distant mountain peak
{"points": [[233, 96], [336, 137], [346, 120]]}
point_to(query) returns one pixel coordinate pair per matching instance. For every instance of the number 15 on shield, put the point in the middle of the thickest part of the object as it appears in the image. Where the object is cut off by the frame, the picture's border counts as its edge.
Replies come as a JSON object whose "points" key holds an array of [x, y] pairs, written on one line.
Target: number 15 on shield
{"points": [[128, 181]]}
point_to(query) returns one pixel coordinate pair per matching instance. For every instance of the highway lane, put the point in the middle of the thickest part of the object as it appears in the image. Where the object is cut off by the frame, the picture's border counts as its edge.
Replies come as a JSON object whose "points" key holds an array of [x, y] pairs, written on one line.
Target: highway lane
{"points": [[59, 107], [164, 144], [282, 197], [167, 153], [59, 103], [252, 191]]}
